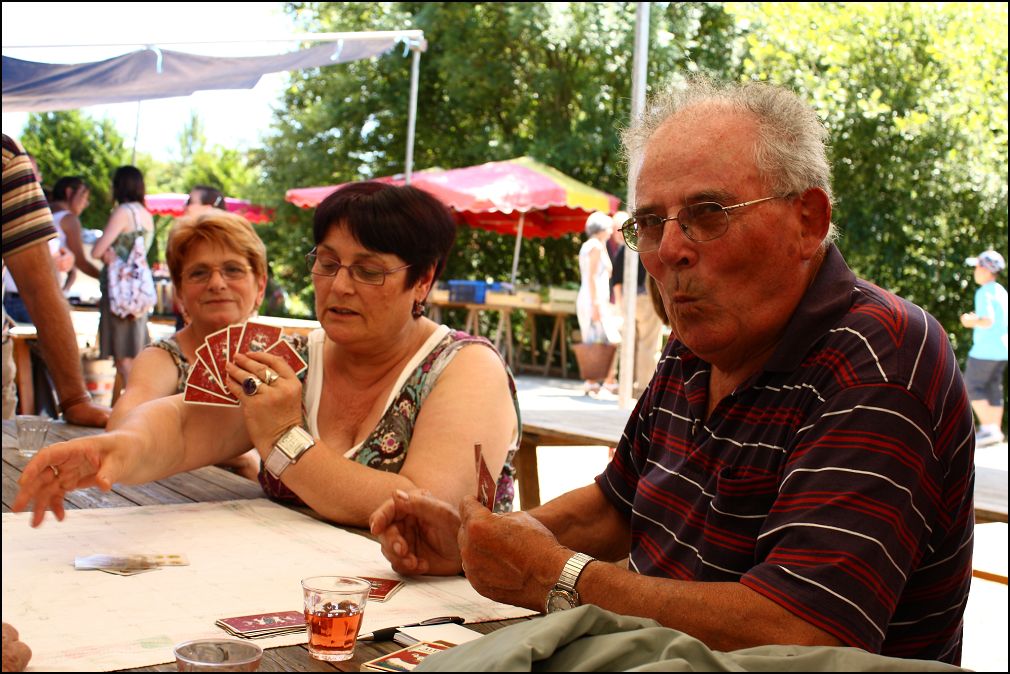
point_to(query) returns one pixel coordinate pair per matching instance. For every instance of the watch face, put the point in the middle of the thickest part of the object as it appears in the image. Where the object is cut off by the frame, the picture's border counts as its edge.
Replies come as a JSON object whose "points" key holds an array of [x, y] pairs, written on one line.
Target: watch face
{"points": [[559, 600]]}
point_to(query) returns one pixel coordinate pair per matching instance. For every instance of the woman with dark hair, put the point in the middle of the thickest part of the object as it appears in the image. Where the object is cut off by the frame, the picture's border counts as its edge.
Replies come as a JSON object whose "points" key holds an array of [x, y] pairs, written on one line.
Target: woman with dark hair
{"points": [[203, 199], [118, 336], [71, 195], [390, 401]]}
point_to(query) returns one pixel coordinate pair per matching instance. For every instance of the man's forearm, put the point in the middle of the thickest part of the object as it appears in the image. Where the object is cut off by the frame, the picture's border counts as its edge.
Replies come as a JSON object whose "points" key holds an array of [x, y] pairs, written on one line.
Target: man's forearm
{"points": [[584, 520], [35, 275], [726, 616]]}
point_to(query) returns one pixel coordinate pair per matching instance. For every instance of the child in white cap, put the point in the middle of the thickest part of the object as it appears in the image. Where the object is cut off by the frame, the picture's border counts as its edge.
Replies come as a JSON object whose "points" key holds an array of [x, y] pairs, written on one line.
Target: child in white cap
{"points": [[987, 359]]}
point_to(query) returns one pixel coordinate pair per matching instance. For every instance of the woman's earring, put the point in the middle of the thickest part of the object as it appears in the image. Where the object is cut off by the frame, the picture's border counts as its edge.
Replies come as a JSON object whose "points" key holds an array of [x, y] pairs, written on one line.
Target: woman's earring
{"points": [[418, 309]]}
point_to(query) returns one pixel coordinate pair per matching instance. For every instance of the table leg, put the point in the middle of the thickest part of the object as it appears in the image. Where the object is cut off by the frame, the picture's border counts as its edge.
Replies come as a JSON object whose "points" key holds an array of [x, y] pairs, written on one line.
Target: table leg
{"points": [[558, 330], [527, 473]]}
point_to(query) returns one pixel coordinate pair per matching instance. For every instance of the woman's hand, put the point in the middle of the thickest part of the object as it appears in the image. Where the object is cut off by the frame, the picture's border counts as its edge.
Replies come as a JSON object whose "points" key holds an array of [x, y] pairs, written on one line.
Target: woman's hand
{"points": [[66, 466], [63, 260], [275, 407], [418, 534]]}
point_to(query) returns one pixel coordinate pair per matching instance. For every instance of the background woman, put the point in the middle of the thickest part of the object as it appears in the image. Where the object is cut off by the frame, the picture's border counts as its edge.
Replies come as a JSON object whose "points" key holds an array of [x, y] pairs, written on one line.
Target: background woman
{"points": [[218, 265], [71, 195], [392, 401], [592, 305], [123, 338]]}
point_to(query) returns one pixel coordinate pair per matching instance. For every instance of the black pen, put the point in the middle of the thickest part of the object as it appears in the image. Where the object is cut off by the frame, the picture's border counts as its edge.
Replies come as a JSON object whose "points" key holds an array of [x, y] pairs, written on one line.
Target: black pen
{"points": [[386, 633]]}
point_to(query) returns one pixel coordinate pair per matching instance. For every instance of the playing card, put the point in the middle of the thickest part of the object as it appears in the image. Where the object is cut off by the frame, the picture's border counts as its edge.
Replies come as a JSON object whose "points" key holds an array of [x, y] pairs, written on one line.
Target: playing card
{"points": [[486, 484], [258, 337], [128, 565], [127, 572], [290, 356], [382, 588], [217, 344], [118, 562], [406, 659], [260, 623], [201, 377], [198, 396], [234, 335], [203, 355], [169, 560]]}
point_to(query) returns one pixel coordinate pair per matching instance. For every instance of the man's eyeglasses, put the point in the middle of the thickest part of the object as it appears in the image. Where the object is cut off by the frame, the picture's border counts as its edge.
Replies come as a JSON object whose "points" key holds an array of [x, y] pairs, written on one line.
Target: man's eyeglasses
{"points": [[700, 222], [201, 273], [327, 266]]}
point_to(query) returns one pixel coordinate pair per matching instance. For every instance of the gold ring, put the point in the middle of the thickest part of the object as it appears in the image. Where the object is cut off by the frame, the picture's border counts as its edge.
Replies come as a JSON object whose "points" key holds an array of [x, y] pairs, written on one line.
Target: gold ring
{"points": [[269, 376], [56, 471]]}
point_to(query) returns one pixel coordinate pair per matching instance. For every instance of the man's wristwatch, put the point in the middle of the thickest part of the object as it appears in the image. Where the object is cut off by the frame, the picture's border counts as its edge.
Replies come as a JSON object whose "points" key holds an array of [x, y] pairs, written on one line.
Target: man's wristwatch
{"points": [[288, 449], [563, 595]]}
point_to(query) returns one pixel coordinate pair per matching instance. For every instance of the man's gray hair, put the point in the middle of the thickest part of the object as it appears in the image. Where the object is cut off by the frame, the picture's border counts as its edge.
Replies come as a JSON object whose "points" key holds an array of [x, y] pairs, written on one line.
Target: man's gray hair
{"points": [[791, 149]]}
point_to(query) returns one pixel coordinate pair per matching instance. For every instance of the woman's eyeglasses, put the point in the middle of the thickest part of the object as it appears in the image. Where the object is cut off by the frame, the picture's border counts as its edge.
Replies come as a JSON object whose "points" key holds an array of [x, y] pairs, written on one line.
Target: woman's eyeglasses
{"points": [[327, 266], [201, 273], [705, 221]]}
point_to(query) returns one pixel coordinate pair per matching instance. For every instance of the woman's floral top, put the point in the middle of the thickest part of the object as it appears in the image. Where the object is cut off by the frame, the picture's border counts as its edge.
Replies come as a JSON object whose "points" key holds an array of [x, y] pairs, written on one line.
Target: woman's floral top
{"points": [[387, 445]]}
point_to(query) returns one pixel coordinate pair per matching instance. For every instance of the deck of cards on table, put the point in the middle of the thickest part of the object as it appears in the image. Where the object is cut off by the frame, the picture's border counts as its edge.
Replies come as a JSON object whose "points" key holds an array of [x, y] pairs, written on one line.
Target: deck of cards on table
{"points": [[205, 384], [262, 625]]}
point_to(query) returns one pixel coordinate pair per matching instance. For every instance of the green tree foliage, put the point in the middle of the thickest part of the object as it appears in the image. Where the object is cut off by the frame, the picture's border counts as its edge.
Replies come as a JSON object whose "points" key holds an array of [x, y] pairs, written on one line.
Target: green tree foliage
{"points": [[202, 164], [72, 144], [914, 96], [499, 80]]}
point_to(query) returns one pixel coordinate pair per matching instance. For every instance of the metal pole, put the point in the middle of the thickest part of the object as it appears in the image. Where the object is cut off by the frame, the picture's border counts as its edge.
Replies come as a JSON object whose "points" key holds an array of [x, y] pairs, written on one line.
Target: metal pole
{"points": [[415, 68], [136, 134], [639, 74], [519, 242]]}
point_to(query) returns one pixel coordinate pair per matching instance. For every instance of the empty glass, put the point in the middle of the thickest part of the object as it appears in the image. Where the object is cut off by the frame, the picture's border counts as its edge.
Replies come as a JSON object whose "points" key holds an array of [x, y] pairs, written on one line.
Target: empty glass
{"points": [[217, 655], [32, 431]]}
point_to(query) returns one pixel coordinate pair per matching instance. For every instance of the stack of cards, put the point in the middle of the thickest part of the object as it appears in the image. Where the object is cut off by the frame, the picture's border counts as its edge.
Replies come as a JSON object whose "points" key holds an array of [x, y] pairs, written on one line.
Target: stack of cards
{"points": [[405, 659], [205, 384], [382, 588], [263, 625], [128, 565]]}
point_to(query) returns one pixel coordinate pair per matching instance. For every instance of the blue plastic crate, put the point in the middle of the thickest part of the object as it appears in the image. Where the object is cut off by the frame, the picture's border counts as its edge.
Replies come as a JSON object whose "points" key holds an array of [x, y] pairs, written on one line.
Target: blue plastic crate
{"points": [[471, 292]]}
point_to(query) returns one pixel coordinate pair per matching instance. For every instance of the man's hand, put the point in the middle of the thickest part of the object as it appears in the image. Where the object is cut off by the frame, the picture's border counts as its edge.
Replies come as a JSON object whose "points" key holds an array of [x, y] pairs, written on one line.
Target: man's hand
{"points": [[87, 414], [16, 653], [418, 534], [510, 558]]}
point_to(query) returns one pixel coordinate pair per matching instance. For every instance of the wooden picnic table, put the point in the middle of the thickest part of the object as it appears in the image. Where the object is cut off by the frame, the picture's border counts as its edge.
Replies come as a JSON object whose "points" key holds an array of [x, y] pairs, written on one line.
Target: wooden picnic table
{"points": [[598, 426], [204, 484], [502, 338]]}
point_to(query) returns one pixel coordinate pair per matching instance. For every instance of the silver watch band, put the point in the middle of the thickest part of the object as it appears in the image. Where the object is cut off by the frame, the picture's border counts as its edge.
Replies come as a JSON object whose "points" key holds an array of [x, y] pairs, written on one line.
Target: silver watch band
{"points": [[573, 569], [277, 462]]}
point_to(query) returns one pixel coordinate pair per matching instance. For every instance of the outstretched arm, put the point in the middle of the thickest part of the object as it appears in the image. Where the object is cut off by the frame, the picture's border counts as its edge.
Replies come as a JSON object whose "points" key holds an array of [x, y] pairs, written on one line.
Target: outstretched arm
{"points": [[157, 439]]}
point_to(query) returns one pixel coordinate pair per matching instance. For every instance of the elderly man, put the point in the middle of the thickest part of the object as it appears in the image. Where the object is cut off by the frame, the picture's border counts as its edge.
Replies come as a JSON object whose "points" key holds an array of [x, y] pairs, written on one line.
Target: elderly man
{"points": [[799, 470]]}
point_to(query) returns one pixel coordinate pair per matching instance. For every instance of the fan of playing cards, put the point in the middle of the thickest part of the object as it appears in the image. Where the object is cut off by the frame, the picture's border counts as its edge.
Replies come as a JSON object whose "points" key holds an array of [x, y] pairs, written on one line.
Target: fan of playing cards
{"points": [[205, 383]]}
